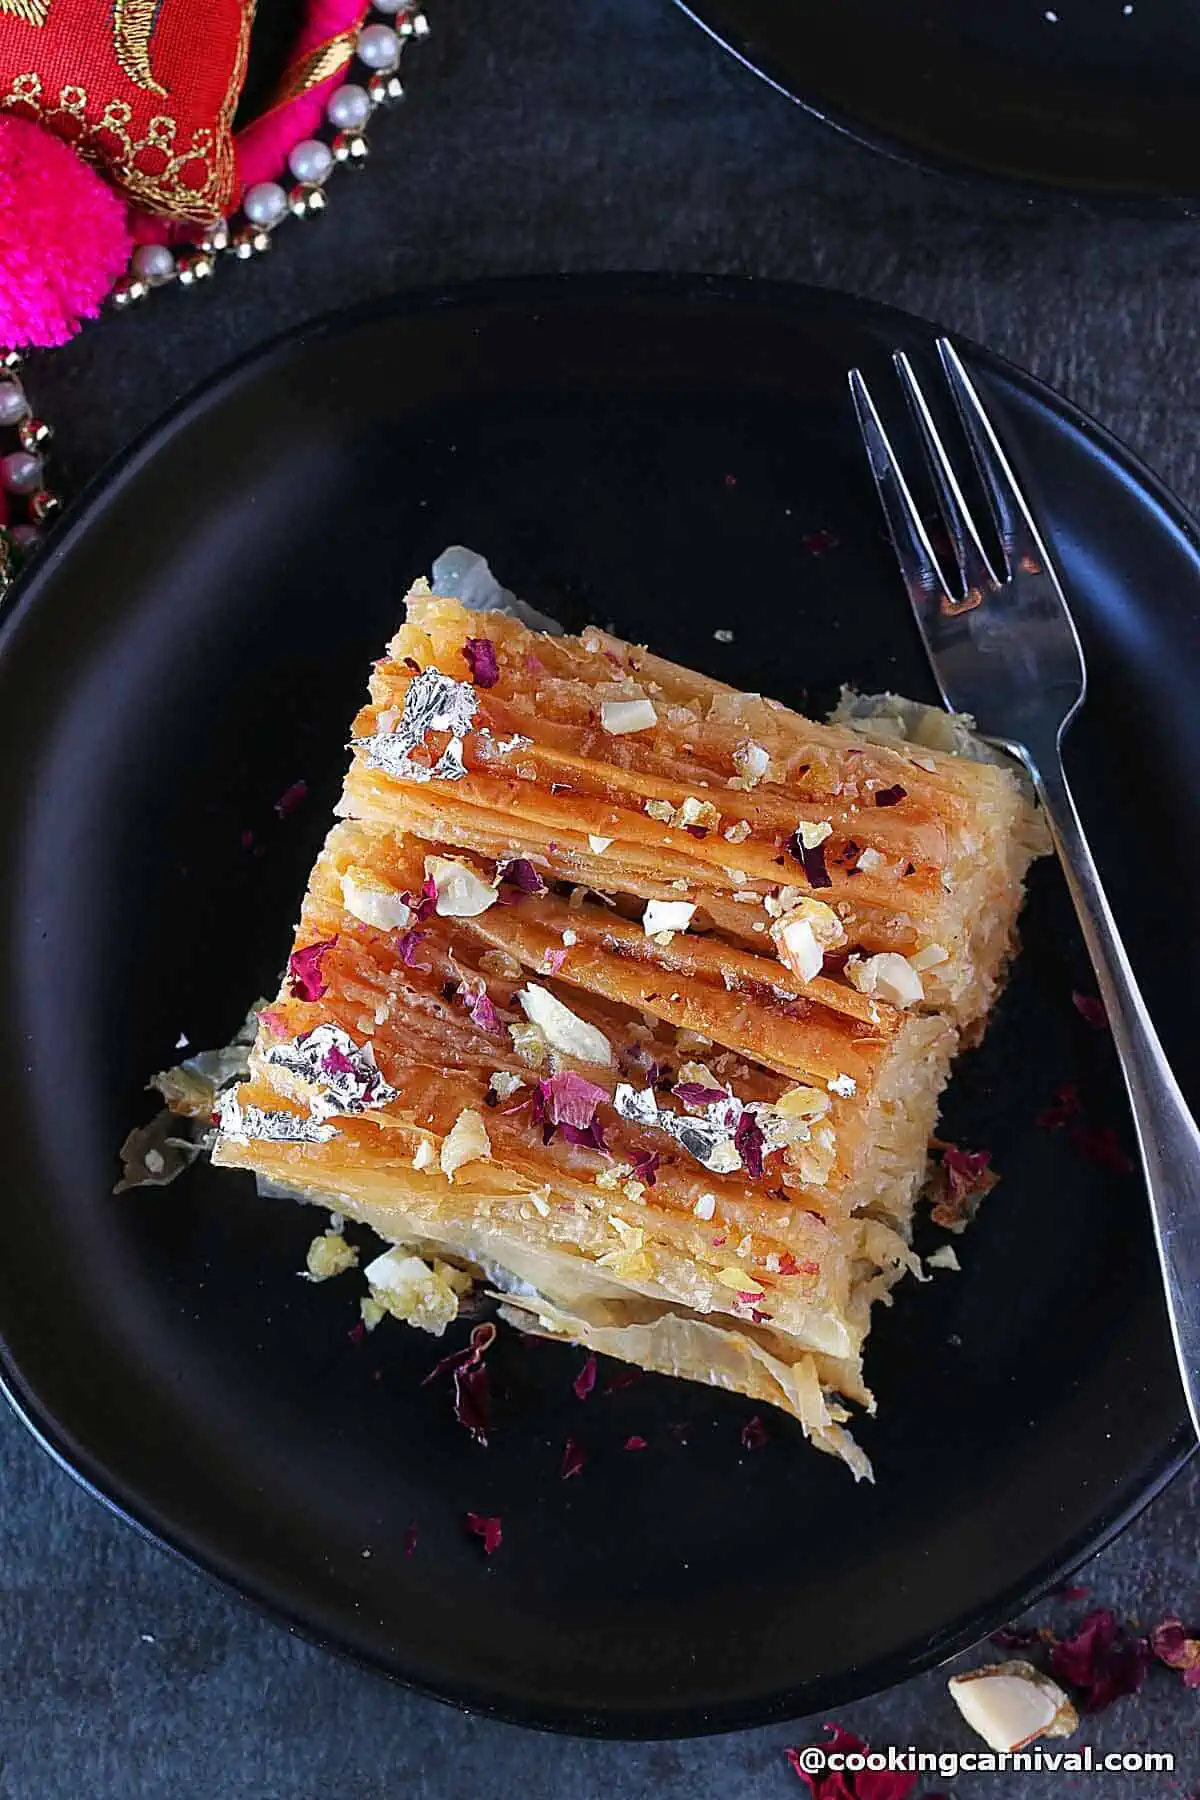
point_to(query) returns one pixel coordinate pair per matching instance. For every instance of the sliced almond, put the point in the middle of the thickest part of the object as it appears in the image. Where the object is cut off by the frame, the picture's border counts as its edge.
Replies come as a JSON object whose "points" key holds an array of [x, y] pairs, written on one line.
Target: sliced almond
{"points": [[666, 915], [461, 894], [372, 901], [466, 1142], [888, 976], [620, 717], [563, 1029], [1011, 1704]]}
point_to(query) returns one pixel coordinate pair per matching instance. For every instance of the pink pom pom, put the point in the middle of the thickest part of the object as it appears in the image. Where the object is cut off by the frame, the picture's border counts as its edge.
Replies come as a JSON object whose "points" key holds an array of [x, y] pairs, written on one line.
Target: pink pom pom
{"points": [[63, 237]]}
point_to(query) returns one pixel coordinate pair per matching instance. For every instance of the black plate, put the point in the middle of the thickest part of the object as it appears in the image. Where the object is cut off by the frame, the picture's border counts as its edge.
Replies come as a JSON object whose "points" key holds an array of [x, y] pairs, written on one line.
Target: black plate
{"points": [[675, 457], [1100, 102]]}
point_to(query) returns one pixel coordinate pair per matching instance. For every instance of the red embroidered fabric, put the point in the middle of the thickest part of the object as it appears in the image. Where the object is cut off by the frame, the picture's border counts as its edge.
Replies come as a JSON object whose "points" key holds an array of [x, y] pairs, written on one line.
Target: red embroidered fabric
{"points": [[146, 89]]}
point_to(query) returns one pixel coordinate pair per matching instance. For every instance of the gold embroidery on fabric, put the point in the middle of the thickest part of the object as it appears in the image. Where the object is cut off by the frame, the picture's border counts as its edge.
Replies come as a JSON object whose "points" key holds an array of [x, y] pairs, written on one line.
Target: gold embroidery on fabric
{"points": [[133, 24], [314, 67], [33, 12], [191, 181]]}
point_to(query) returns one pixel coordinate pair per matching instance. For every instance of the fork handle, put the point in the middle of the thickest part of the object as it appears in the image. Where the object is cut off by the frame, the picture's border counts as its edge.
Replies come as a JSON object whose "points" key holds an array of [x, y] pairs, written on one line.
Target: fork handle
{"points": [[1168, 1139]]}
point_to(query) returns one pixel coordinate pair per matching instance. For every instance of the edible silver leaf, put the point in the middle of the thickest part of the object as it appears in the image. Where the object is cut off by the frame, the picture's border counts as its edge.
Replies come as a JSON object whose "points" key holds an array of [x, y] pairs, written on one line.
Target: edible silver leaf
{"points": [[383, 751], [433, 702], [436, 702], [707, 1141], [450, 765], [708, 1136], [251, 1124], [343, 1072], [638, 1106]]}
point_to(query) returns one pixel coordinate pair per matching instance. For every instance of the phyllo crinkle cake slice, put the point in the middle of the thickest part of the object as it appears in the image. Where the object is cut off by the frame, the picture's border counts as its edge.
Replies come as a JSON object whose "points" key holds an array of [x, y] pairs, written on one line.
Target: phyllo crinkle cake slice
{"points": [[632, 997]]}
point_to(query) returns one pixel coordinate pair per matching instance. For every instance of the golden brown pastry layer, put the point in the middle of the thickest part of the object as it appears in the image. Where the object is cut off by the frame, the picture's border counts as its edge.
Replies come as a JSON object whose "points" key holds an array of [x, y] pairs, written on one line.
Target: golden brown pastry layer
{"points": [[592, 995]]}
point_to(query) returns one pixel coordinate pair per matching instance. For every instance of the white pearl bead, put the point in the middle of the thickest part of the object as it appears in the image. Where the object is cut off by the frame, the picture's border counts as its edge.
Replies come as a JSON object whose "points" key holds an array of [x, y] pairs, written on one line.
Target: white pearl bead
{"points": [[13, 405], [21, 473], [391, 6], [378, 47], [310, 161], [153, 263], [265, 203], [349, 107]]}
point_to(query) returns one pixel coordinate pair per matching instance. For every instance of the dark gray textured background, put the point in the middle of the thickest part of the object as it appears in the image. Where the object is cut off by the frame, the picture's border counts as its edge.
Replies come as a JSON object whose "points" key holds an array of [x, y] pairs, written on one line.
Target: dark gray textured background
{"points": [[562, 134]]}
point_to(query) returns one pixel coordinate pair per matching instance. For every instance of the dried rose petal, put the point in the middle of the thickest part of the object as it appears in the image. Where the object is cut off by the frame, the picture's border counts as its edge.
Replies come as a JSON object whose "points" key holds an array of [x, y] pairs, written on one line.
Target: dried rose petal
{"points": [[1070, 1590], [694, 1093], [789, 1266], [555, 959], [1066, 1108], [482, 1339], [820, 543], [965, 1168], [890, 796], [1098, 1143], [407, 944], [1091, 1008], [1172, 1646], [246, 839], [754, 1434], [567, 1099], [861, 1784], [1102, 1659], [585, 1381], [533, 664], [336, 1062], [489, 1529], [633, 1442], [357, 1333], [813, 860], [291, 799], [304, 970], [472, 1400], [480, 654], [591, 1138], [573, 1458], [748, 1142], [622, 1379], [521, 874], [274, 1021], [484, 1014], [422, 905], [1101, 1145], [410, 1540], [960, 1181], [645, 1163]]}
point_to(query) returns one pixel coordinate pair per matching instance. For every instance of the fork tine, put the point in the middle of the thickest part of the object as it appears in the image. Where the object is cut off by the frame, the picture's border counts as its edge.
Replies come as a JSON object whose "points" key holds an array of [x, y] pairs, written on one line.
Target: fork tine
{"points": [[976, 571], [918, 562], [1014, 521]]}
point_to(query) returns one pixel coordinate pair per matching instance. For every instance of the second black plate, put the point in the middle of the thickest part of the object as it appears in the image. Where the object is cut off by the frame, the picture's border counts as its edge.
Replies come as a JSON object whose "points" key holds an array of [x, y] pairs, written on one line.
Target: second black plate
{"points": [[679, 458], [1094, 96]]}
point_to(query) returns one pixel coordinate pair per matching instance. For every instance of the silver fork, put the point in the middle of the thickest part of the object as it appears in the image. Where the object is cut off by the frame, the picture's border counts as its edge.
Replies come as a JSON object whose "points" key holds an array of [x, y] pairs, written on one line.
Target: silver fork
{"points": [[1003, 647]]}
